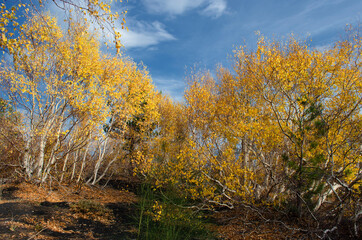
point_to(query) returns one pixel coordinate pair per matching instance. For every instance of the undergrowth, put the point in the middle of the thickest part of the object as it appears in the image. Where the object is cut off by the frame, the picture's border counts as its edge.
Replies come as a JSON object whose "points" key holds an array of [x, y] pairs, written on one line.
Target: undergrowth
{"points": [[88, 206], [162, 215]]}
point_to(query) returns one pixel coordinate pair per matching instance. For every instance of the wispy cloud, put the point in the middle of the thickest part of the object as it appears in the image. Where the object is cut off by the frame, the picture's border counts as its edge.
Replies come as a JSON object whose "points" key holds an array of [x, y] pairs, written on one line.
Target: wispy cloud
{"points": [[213, 8], [323, 48], [170, 86], [142, 34]]}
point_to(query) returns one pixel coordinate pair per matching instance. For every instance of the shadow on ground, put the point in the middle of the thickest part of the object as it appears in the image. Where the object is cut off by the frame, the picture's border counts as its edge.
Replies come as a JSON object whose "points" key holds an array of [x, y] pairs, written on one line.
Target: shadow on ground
{"points": [[23, 219]]}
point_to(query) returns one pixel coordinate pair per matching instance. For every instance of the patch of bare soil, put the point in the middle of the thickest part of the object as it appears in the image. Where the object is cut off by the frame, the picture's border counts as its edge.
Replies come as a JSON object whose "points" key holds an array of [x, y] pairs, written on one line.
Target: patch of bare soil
{"points": [[28, 211]]}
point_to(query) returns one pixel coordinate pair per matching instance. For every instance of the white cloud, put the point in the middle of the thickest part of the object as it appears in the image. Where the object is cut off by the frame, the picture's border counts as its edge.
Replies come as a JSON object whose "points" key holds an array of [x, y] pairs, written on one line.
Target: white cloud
{"points": [[214, 8], [323, 48], [172, 87], [143, 34], [140, 34]]}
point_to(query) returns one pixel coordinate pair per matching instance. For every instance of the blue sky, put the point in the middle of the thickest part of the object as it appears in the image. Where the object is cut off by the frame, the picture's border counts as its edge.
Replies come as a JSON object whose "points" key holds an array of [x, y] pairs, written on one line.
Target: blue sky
{"points": [[172, 36]]}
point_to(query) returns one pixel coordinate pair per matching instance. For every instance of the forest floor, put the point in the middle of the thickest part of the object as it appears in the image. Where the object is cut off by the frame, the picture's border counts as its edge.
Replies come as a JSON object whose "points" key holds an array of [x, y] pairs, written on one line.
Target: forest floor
{"points": [[29, 211]]}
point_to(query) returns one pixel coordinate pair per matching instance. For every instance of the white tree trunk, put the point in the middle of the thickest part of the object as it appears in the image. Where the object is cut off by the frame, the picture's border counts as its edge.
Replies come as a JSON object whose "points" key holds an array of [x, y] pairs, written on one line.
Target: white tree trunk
{"points": [[83, 162]]}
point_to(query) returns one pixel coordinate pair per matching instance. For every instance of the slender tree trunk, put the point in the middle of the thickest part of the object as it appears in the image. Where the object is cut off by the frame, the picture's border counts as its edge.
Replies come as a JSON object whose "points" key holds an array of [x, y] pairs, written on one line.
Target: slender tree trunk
{"points": [[64, 167], [245, 151], [40, 163], [43, 138], [83, 163], [75, 164], [99, 161], [52, 159], [96, 180], [28, 165]]}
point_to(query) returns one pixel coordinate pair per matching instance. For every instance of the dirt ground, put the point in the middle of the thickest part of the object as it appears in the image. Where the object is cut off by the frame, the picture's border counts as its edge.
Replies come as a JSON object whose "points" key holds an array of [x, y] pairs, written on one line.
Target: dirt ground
{"points": [[28, 211]]}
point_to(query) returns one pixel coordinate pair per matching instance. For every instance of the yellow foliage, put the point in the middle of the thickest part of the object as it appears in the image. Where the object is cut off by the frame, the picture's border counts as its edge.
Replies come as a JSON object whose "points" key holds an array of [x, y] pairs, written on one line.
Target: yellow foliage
{"points": [[69, 90], [287, 123]]}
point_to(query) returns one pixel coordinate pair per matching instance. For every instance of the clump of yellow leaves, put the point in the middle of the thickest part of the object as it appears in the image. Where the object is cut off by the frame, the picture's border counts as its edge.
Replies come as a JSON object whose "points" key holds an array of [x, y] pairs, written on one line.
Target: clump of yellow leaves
{"points": [[62, 82], [284, 126]]}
